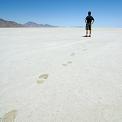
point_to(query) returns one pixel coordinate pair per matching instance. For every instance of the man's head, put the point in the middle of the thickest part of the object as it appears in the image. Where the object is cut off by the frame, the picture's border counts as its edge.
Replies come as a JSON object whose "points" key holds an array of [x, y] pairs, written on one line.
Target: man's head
{"points": [[89, 13]]}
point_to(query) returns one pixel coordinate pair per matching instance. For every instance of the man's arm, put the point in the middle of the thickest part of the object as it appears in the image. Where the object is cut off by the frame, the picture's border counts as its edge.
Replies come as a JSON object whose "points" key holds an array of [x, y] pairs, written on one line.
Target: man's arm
{"points": [[86, 20], [92, 20]]}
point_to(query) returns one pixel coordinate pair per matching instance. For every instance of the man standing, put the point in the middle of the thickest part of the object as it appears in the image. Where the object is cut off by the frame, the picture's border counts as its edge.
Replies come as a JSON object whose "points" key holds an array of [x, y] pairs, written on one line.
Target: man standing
{"points": [[89, 21]]}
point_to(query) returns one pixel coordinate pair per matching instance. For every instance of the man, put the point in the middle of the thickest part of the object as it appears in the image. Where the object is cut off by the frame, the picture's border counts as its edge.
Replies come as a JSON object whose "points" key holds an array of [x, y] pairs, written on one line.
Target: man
{"points": [[89, 21]]}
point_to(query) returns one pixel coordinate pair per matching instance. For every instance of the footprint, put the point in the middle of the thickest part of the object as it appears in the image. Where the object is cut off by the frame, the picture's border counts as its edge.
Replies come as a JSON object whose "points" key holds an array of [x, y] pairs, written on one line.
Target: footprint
{"points": [[84, 49], [69, 62], [73, 54], [10, 116], [42, 78], [64, 64]]}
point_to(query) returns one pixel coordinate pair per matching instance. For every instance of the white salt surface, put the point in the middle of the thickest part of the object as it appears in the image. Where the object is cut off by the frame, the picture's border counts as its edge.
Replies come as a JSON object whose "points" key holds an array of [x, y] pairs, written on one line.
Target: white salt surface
{"points": [[56, 75]]}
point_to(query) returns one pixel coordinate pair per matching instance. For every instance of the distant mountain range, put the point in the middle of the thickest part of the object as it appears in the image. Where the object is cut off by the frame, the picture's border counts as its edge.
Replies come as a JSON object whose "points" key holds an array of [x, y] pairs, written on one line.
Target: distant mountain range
{"points": [[11, 24], [33, 24]]}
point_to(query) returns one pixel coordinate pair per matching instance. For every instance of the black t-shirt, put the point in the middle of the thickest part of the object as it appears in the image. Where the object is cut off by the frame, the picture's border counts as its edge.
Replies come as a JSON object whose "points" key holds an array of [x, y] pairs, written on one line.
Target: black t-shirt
{"points": [[89, 19]]}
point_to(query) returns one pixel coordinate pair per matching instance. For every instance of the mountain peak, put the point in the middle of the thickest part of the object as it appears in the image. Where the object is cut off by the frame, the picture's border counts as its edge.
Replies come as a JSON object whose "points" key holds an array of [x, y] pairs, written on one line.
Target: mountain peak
{"points": [[31, 24], [6, 23]]}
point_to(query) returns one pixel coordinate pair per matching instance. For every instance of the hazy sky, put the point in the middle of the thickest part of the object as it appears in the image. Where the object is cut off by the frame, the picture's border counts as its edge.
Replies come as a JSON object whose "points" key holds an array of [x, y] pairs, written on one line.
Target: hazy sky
{"points": [[107, 13]]}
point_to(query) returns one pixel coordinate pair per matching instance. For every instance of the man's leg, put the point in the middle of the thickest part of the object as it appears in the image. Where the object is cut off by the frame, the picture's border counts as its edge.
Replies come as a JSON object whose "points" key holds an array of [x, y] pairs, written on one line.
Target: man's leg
{"points": [[86, 32], [90, 33], [89, 30]]}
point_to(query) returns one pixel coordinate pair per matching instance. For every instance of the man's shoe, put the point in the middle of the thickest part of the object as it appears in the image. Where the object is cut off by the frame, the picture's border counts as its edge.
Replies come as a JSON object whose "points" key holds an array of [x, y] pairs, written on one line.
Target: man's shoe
{"points": [[85, 36]]}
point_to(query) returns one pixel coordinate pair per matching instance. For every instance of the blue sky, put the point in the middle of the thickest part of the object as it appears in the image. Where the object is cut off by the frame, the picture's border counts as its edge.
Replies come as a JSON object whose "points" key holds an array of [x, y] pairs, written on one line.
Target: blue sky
{"points": [[107, 13]]}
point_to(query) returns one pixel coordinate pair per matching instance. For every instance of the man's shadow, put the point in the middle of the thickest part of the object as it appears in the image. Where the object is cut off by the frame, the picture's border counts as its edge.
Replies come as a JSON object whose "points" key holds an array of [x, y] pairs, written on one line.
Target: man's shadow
{"points": [[86, 36]]}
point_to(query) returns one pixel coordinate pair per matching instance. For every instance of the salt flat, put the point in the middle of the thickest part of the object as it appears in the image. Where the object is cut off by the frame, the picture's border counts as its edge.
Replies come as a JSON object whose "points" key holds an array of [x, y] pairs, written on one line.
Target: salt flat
{"points": [[56, 75]]}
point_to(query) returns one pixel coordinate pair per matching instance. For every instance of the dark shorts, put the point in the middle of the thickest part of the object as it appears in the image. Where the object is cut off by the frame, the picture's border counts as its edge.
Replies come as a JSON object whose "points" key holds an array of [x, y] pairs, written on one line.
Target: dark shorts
{"points": [[88, 26]]}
